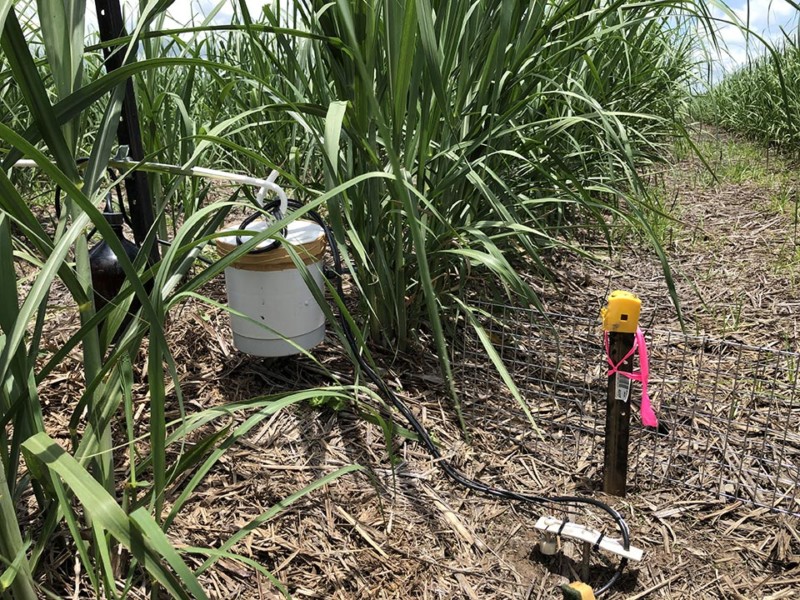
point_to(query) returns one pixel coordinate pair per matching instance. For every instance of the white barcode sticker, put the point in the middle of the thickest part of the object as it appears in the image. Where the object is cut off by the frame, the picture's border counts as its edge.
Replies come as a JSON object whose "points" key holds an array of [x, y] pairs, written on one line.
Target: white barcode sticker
{"points": [[623, 388]]}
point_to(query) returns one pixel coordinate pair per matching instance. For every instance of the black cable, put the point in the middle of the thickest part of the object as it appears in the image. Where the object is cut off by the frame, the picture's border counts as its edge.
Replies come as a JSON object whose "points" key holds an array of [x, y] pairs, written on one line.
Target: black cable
{"points": [[422, 433], [596, 546], [273, 209], [108, 207], [78, 161], [114, 175]]}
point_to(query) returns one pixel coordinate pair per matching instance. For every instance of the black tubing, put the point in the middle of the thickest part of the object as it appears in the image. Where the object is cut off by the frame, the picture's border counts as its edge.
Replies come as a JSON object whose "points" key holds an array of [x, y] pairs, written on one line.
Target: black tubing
{"points": [[113, 174], [273, 209], [117, 187], [424, 436]]}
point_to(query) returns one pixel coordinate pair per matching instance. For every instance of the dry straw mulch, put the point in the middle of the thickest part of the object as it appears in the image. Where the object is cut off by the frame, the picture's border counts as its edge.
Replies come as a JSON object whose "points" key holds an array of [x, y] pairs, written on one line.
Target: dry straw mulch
{"points": [[399, 529]]}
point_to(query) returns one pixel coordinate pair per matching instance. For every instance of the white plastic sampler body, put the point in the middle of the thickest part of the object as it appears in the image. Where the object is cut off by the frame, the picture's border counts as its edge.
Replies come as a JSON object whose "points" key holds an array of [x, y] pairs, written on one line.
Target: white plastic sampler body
{"points": [[281, 314]]}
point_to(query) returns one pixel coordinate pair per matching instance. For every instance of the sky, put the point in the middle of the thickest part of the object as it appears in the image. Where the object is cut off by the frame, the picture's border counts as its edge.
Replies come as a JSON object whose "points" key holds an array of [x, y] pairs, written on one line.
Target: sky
{"points": [[765, 17], [182, 10]]}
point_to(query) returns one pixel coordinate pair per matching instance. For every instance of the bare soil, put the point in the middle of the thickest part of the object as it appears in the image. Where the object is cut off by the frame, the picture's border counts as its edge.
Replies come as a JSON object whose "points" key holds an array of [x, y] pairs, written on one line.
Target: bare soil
{"points": [[399, 528]]}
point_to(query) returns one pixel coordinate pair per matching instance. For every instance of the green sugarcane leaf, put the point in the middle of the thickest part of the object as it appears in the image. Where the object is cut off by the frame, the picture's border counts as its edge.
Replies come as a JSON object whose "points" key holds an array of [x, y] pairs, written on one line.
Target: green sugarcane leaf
{"points": [[13, 569], [27, 77], [5, 8], [105, 513], [155, 537], [333, 131]]}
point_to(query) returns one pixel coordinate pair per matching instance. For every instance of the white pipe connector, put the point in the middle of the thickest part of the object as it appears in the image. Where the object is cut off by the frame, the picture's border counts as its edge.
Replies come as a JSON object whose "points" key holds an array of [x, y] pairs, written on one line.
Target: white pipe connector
{"points": [[558, 527], [263, 185]]}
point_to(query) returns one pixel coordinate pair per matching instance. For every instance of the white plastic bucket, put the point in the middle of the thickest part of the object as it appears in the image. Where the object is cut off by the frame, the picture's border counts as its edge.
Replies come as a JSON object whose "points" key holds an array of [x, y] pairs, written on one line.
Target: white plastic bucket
{"points": [[270, 290]]}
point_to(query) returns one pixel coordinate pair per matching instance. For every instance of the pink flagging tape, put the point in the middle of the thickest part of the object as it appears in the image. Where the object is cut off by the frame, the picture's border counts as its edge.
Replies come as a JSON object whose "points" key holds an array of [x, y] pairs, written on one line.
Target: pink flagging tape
{"points": [[642, 375]]}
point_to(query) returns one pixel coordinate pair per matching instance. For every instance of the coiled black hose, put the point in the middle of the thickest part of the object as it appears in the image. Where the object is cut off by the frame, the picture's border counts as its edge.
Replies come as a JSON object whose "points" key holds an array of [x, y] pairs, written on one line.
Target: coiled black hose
{"points": [[424, 436], [272, 209]]}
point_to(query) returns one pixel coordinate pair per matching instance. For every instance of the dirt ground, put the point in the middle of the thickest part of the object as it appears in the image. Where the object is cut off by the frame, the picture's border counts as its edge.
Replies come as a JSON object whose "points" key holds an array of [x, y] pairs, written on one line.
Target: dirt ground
{"points": [[407, 531]]}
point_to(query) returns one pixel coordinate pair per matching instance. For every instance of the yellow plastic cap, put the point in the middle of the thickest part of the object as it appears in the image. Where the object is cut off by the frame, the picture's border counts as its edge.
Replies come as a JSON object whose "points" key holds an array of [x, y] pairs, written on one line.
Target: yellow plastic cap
{"points": [[577, 591], [622, 313]]}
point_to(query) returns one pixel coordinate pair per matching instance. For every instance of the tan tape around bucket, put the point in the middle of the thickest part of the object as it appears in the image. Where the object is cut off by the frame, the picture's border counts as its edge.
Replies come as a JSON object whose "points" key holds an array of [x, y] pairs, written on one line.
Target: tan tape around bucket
{"points": [[277, 259]]}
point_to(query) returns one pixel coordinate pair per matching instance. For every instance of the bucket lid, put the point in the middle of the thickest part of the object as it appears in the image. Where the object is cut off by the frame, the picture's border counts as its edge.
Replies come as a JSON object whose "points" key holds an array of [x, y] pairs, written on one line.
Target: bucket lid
{"points": [[306, 237]]}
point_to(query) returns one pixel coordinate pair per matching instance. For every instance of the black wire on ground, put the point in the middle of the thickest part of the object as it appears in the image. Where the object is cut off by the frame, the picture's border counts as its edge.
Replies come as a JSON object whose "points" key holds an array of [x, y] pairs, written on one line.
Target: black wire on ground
{"points": [[424, 436]]}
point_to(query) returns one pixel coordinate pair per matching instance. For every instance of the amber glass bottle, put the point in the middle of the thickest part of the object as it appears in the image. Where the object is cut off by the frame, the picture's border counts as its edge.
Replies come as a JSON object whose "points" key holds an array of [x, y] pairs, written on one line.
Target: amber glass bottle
{"points": [[107, 274]]}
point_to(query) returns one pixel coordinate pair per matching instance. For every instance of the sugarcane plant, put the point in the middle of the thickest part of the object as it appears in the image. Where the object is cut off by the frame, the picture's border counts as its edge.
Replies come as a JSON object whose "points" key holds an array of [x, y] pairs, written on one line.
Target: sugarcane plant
{"points": [[94, 480]]}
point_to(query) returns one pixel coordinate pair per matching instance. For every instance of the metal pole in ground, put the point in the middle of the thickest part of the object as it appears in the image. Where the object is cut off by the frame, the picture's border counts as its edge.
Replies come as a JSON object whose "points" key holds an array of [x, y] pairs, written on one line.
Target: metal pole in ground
{"points": [[112, 26], [620, 319]]}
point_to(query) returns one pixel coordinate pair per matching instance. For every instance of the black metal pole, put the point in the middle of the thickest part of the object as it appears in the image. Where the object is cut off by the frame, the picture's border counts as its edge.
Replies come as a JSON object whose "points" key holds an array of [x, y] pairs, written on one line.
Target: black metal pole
{"points": [[140, 203], [620, 323], [618, 415]]}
